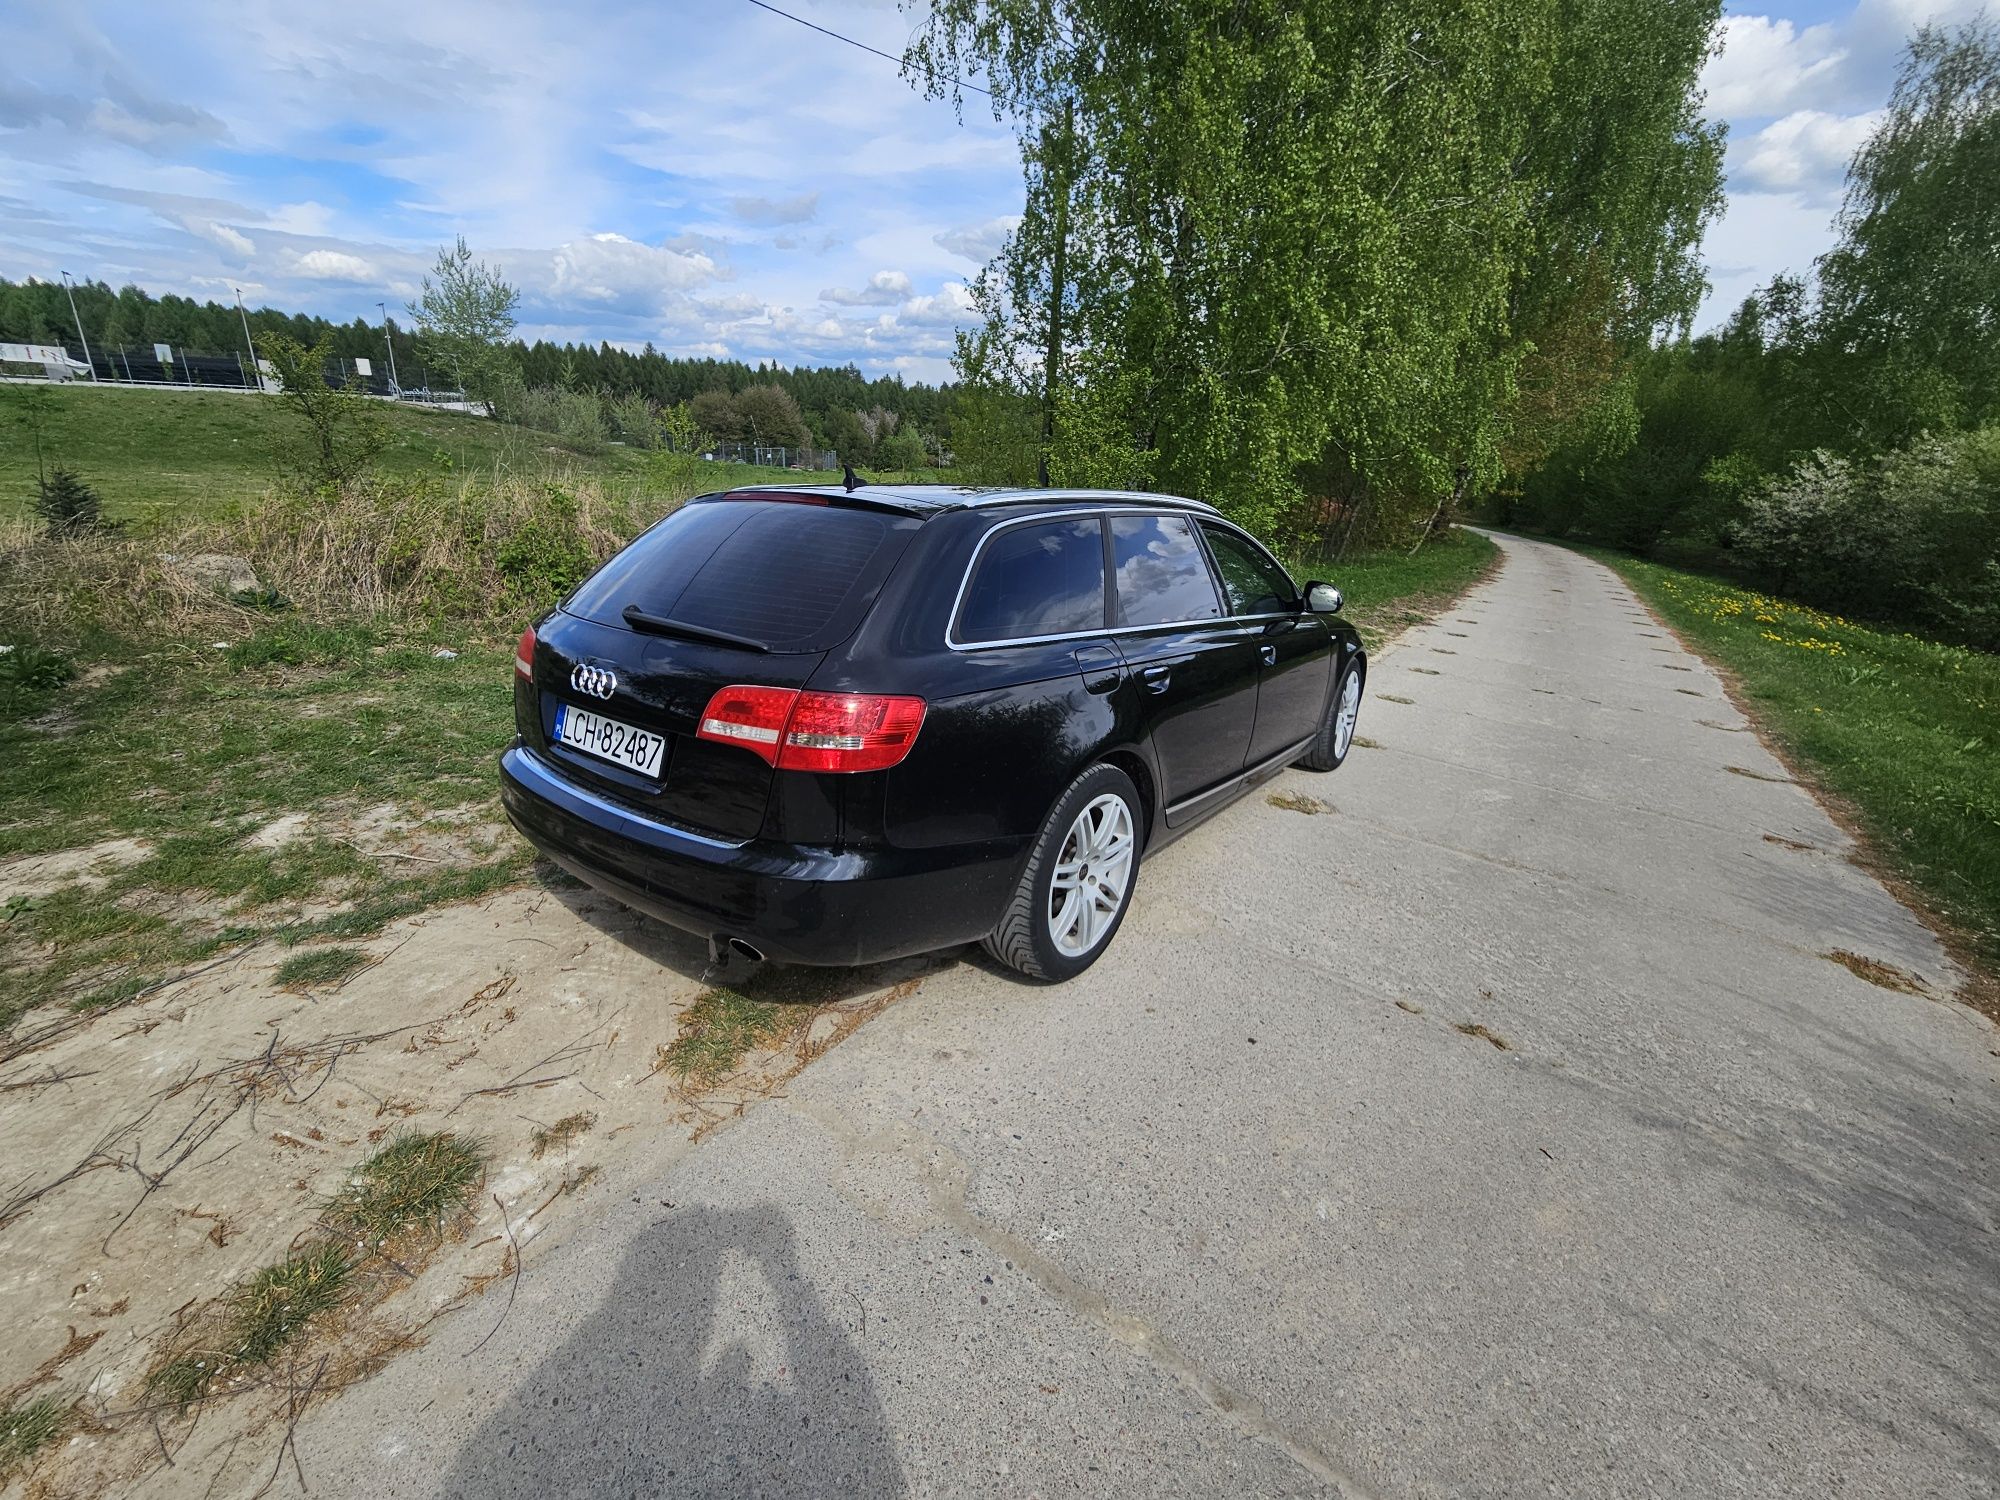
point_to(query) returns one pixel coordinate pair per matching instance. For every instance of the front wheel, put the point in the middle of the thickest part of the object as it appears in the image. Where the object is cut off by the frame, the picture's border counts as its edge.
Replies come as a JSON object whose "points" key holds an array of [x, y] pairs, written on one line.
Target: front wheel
{"points": [[1336, 735], [1077, 884]]}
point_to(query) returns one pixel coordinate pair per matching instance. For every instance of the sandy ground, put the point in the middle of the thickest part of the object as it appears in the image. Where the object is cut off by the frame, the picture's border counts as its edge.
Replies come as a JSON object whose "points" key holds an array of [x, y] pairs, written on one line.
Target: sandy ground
{"points": [[157, 1154]]}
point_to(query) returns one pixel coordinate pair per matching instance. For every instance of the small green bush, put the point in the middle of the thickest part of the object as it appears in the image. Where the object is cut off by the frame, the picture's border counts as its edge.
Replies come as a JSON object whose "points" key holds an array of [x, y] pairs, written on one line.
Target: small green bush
{"points": [[27, 670], [545, 556]]}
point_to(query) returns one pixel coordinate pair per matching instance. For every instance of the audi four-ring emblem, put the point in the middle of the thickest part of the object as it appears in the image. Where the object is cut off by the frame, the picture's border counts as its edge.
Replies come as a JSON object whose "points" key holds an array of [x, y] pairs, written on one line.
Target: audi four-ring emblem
{"points": [[599, 682]]}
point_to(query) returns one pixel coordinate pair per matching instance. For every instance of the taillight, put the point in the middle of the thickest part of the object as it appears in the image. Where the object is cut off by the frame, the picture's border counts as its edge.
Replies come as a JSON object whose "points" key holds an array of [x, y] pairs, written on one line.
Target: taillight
{"points": [[850, 732], [753, 717], [524, 654], [797, 731]]}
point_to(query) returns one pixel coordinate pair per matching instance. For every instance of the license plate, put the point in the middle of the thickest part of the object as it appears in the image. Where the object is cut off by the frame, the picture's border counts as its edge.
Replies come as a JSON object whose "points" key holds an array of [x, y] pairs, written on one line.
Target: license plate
{"points": [[634, 749]]}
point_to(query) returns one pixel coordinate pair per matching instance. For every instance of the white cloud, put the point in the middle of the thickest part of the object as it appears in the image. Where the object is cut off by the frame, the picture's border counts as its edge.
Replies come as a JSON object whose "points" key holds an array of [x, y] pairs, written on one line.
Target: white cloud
{"points": [[883, 288], [1766, 66], [951, 306], [612, 269], [221, 235], [1806, 151], [331, 265], [979, 242]]}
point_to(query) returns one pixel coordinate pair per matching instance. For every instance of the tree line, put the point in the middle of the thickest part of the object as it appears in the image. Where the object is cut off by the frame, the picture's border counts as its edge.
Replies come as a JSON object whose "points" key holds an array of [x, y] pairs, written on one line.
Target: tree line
{"points": [[1838, 438], [589, 394]]}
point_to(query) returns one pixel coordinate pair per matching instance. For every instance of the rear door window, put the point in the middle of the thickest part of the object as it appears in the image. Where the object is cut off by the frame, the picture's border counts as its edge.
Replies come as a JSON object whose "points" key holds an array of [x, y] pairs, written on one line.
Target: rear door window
{"points": [[1163, 577], [792, 577], [1254, 583], [1045, 578]]}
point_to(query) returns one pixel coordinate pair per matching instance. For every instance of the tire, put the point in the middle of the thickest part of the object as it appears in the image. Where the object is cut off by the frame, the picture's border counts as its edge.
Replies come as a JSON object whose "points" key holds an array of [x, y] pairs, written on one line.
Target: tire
{"points": [[1335, 739], [1042, 940]]}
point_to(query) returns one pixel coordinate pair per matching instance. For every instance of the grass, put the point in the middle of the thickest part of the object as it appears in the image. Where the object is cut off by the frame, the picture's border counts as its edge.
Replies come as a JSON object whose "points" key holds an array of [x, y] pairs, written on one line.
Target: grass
{"points": [[28, 1428], [1387, 590], [162, 457], [719, 1029], [320, 966], [176, 744], [1905, 732], [419, 1181]]}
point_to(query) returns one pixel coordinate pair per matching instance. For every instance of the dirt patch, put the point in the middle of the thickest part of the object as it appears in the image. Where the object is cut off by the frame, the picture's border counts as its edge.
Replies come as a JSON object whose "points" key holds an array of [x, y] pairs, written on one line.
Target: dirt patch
{"points": [[1393, 698], [1784, 843], [1888, 976], [1427, 671], [1299, 802], [161, 1155], [1473, 1028], [34, 875]]}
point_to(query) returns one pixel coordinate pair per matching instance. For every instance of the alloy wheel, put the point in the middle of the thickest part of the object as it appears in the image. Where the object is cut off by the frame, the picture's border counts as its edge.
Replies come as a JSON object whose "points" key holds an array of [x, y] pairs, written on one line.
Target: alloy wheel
{"points": [[1092, 876]]}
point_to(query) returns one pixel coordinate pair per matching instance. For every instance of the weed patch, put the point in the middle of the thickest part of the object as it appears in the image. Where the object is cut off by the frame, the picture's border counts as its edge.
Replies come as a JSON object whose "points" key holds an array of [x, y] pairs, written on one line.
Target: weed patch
{"points": [[561, 1135], [721, 1028], [320, 966], [419, 1181], [28, 1428]]}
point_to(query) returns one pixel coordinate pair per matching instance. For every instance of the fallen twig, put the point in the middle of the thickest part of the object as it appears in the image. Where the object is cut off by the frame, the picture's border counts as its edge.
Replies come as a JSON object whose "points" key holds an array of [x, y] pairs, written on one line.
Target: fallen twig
{"points": [[513, 1287]]}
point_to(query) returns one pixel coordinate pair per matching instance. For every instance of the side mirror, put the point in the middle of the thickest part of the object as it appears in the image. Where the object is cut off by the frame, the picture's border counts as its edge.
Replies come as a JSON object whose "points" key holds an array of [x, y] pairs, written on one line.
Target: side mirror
{"points": [[1323, 599]]}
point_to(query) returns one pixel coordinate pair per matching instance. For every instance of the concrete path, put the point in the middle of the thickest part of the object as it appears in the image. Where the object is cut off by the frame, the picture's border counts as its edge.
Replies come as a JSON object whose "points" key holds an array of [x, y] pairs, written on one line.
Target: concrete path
{"points": [[1248, 1211]]}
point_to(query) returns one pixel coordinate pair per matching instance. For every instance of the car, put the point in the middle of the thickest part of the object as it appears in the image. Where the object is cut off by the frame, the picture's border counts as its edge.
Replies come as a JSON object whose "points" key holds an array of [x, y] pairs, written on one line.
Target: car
{"points": [[834, 725]]}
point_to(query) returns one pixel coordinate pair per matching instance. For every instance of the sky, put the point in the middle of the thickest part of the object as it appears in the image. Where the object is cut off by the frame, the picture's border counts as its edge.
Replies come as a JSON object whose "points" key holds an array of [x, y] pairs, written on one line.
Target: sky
{"points": [[703, 175]]}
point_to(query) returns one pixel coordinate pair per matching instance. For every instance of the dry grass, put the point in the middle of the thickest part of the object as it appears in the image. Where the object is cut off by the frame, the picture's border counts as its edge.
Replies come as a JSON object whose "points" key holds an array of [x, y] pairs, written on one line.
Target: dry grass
{"points": [[561, 1135], [1299, 802], [1888, 976]]}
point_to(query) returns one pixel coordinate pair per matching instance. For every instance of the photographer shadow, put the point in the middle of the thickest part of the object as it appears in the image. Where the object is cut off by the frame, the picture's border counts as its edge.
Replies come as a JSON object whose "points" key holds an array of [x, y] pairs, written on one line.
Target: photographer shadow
{"points": [[710, 1368]]}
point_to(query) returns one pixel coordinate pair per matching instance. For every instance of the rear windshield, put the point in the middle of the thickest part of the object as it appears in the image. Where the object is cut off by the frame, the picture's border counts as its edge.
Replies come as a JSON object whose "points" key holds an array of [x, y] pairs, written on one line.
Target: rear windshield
{"points": [[793, 577]]}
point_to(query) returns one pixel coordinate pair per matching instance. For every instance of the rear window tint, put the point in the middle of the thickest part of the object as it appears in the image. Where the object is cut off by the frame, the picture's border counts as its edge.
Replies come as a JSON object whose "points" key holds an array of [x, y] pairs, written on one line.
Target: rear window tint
{"points": [[793, 577], [1043, 579], [1163, 577]]}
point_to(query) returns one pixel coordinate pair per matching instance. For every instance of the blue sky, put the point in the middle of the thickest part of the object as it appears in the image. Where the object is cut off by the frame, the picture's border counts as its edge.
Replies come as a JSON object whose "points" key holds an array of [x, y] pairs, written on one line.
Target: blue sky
{"points": [[703, 175]]}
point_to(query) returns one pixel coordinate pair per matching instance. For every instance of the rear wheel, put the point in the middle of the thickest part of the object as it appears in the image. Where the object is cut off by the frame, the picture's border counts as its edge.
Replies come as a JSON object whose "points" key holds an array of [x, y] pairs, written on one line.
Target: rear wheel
{"points": [[1336, 735], [1078, 880]]}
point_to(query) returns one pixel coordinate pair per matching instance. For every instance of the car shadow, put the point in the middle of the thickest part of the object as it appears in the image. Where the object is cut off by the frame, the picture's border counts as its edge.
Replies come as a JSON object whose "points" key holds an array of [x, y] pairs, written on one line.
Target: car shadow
{"points": [[785, 984], [711, 1367]]}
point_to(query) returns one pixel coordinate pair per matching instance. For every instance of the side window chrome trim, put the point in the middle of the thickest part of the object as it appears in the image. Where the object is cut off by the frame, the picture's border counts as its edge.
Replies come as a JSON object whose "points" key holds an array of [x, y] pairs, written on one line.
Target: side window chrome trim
{"points": [[1195, 521]]}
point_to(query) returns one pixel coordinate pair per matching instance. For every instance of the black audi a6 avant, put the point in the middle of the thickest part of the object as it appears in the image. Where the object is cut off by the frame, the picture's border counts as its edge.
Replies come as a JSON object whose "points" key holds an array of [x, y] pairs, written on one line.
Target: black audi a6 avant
{"points": [[831, 727]]}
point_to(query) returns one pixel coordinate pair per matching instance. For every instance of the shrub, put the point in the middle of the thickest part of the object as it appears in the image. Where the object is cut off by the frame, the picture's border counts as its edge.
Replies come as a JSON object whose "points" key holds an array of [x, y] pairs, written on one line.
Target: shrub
{"points": [[635, 420], [546, 555], [67, 504], [1912, 536], [574, 418]]}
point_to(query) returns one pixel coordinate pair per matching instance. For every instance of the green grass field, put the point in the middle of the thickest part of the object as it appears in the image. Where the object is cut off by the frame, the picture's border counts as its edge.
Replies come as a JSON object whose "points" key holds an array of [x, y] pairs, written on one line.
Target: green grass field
{"points": [[162, 458], [1903, 730]]}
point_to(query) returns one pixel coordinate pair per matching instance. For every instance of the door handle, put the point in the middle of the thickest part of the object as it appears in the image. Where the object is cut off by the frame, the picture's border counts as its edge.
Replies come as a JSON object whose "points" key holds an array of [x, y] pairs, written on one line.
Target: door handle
{"points": [[1157, 678], [1268, 655]]}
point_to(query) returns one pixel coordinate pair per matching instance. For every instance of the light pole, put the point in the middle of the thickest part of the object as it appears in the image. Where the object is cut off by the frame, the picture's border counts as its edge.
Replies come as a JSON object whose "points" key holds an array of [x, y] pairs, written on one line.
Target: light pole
{"points": [[248, 342], [395, 388], [79, 327]]}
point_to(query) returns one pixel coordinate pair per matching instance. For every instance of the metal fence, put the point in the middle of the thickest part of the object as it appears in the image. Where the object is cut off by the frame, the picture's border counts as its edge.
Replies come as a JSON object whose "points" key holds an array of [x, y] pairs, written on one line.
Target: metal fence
{"points": [[773, 456]]}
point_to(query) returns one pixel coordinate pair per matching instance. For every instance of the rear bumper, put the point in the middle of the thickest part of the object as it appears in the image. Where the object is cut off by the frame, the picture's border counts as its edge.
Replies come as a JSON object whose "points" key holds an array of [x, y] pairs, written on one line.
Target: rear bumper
{"points": [[794, 903]]}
